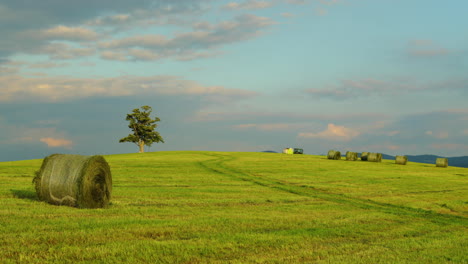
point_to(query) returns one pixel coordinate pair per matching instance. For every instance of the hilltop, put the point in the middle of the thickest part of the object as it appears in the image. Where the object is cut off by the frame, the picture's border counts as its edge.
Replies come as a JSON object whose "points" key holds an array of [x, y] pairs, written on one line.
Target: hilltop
{"points": [[239, 207]]}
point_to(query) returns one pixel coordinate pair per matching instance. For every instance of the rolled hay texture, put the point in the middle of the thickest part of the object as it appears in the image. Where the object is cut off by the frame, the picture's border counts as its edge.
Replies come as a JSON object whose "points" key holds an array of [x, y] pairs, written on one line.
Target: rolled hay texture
{"points": [[442, 162], [74, 180], [351, 156], [402, 160], [334, 155], [364, 156], [374, 157]]}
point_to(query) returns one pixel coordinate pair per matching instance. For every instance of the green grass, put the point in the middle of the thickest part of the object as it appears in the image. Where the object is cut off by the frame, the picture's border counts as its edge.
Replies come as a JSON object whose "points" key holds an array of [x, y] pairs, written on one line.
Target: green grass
{"points": [[225, 207]]}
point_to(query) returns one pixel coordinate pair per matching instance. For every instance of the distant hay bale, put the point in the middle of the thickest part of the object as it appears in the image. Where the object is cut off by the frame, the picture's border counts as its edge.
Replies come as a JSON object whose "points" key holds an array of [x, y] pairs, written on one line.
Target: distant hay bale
{"points": [[334, 155], [364, 156], [374, 157], [74, 180], [351, 156], [401, 160], [442, 162]]}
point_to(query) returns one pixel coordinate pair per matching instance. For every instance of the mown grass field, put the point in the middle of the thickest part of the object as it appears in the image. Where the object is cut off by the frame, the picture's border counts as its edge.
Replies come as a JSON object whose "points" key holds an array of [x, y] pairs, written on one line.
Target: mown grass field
{"points": [[227, 207]]}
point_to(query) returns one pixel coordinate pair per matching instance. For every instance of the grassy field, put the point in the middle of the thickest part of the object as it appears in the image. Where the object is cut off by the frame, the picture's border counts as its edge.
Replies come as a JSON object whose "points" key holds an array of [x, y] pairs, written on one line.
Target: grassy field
{"points": [[227, 207]]}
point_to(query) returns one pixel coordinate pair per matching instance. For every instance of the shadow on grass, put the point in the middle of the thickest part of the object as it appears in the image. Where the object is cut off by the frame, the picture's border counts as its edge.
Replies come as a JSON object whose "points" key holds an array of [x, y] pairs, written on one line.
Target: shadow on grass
{"points": [[24, 194]]}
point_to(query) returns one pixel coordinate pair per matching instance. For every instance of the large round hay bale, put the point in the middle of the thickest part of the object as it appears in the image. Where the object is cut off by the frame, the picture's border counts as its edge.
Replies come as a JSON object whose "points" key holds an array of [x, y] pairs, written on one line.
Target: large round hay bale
{"points": [[401, 160], [442, 162], [364, 156], [334, 155], [374, 157], [74, 180], [351, 156]]}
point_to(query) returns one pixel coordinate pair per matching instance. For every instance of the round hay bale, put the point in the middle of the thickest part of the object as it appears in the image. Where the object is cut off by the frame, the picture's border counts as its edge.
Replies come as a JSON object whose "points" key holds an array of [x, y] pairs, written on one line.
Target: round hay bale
{"points": [[401, 160], [374, 157], [351, 156], [74, 180], [442, 162], [334, 155], [364, 156]]}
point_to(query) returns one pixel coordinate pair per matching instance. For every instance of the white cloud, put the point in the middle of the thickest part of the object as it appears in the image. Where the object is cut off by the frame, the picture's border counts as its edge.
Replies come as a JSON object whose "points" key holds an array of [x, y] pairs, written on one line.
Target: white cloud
{"points": [[330, 2], [111, 20], [439, 135], [393, 133], [16, 88], [291, 117], [192, 55], [333, 132], [297, 2], [379, 124], [200, 43], [114, 55], [147, 41], [425, 48], [287, 15], [36, 28], [244, 126], [57, 142], [64, 51], [353, 88], [382, 147], [47, 65], [248, 5], [143, 54], [271, 126], [393, 147], [429, 52], [93, 32], [349, 89], [321, 11], [69, 33], [449, 146], [7, 70], [31, 133], [442, 135]]}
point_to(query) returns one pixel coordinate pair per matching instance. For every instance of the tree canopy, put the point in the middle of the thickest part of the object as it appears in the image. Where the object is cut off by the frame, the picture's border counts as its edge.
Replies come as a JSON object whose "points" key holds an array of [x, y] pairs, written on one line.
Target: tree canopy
{"points": [[143, 128]]}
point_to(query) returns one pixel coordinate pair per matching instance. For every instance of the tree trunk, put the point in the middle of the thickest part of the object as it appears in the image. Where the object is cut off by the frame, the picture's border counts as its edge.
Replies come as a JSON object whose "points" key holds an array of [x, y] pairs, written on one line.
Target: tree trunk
{"points": [[141, 144]]}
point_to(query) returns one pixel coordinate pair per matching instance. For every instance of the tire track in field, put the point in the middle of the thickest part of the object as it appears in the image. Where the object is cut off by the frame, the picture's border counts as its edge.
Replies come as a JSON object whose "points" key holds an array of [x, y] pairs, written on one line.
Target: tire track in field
{"points": [[217, 164]]}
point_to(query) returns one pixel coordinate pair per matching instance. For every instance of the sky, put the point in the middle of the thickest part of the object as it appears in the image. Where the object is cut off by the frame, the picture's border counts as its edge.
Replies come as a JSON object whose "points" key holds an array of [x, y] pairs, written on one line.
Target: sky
{"points": [[387, 76]]}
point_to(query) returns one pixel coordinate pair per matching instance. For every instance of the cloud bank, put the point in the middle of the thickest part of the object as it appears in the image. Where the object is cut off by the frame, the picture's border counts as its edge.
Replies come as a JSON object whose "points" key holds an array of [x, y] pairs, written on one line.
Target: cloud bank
{"points": [[54, 89], [333, 132]]}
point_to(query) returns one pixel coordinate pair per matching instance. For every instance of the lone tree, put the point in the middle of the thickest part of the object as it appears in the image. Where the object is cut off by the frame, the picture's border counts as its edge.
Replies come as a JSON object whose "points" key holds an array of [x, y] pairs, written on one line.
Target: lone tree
{"points": [[143, 128]]}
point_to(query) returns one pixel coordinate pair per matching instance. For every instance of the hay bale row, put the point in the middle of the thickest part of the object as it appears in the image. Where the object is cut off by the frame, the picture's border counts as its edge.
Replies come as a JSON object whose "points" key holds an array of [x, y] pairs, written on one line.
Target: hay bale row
{"points": [[401, 160], [377, 157], [442, 162], [74, 180], [352, 156], [364, 156], [374, 157], [334, 155]]}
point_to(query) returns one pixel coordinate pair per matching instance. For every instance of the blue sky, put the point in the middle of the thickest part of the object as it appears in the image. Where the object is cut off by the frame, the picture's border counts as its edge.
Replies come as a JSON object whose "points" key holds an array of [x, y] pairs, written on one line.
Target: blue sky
{"points": [[385, 76]]}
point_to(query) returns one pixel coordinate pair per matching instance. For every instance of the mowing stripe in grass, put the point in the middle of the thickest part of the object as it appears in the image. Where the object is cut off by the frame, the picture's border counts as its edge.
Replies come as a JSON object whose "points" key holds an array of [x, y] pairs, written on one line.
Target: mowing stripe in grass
{"points": [[217, 164]]}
